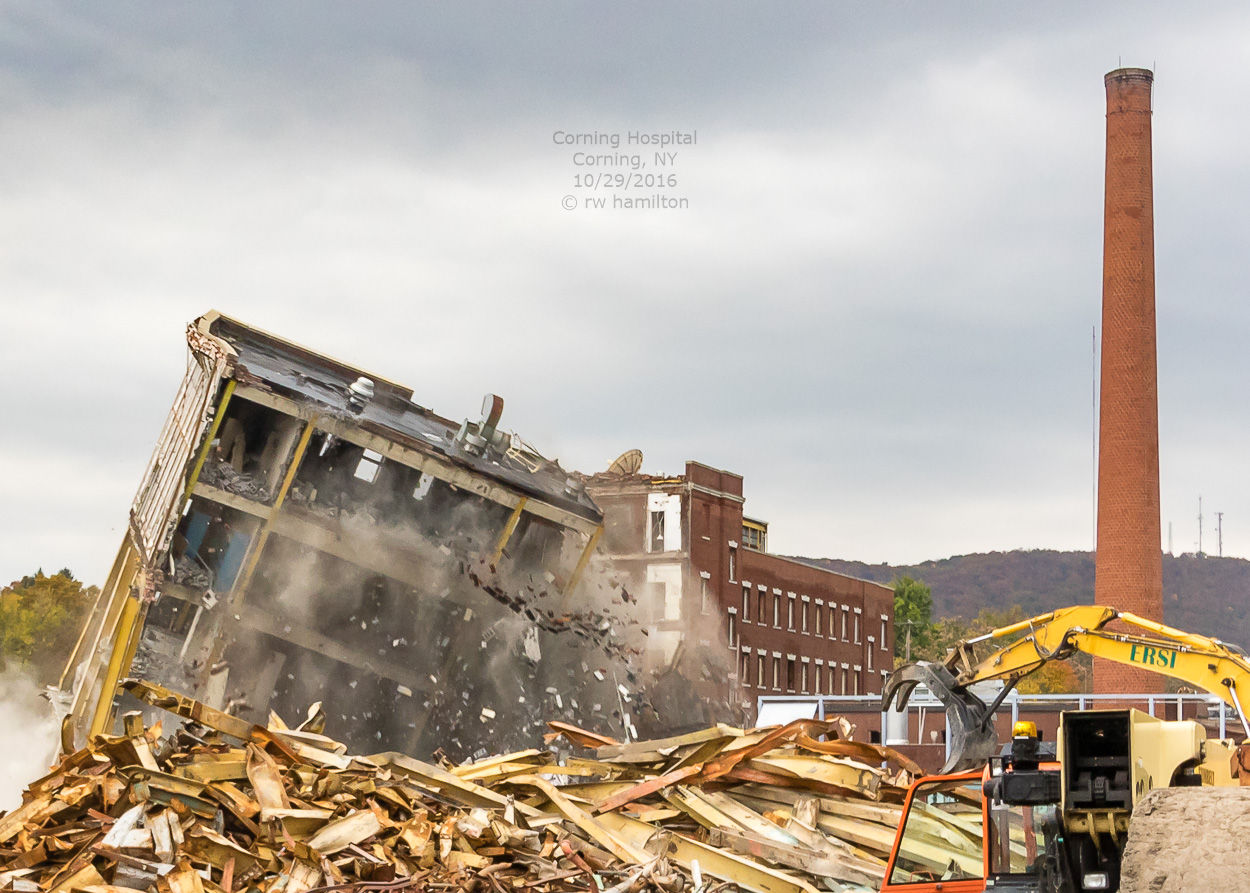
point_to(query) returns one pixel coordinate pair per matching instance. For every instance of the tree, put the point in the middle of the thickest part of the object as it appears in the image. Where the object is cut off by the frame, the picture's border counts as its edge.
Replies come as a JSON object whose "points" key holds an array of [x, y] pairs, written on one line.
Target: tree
{"points": [[40, 618], [913, 618]]}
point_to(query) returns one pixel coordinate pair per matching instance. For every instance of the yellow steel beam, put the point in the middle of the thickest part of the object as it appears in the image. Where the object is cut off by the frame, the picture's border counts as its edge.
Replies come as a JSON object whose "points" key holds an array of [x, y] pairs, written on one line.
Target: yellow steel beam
{"points": [[584, 560], [116, 592], [208, 442], [112, 674], [136, 632], [508, 529], [240, 586]]}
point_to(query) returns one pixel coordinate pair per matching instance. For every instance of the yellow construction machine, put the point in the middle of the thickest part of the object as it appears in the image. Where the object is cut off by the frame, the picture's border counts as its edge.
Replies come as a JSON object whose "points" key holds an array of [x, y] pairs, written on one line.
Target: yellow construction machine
{"points": [[1056, 817]]}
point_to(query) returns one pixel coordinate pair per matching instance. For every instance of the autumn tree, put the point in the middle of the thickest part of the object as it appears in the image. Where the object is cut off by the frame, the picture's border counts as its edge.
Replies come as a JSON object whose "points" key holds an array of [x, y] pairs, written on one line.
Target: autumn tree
{"points": [[40, 617]]}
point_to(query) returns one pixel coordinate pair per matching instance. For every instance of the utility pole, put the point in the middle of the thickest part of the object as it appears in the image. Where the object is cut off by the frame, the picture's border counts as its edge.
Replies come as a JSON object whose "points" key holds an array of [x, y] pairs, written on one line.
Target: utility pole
{"points": [[1219, 532], [1199, 526]]}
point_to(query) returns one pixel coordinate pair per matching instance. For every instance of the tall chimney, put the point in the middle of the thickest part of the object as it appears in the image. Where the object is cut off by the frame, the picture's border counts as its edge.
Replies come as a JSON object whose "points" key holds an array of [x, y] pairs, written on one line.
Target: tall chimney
{"points": [[1128, 562]]}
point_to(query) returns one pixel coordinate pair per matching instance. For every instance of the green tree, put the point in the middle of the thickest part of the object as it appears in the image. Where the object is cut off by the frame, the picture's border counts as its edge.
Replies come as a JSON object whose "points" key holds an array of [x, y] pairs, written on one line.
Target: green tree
{"points": [[913, 618], [40, 618]]}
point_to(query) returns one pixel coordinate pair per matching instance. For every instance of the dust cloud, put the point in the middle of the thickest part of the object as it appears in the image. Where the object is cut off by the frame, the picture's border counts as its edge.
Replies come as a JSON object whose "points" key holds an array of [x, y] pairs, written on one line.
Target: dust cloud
{"points": [[28, 736]]}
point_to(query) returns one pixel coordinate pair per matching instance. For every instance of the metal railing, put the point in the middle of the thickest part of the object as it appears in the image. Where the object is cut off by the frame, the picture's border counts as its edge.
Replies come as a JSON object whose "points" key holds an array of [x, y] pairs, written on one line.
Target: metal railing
{"points": [[921, 701]]}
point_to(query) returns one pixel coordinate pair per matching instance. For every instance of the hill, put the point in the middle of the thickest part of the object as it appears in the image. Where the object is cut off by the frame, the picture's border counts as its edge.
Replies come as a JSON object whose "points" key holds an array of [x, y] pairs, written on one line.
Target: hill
{"points": [[1203, 595]]}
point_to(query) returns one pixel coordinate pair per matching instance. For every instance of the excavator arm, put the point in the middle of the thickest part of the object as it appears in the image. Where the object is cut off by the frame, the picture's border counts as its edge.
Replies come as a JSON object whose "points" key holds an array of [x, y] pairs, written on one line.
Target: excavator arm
{"points": [[1205, 663]]}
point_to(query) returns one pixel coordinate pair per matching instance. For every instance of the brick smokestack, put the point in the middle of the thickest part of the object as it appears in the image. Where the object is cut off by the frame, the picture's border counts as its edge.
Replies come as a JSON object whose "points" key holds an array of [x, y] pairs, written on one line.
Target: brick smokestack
{"points": [[1128, 563]]}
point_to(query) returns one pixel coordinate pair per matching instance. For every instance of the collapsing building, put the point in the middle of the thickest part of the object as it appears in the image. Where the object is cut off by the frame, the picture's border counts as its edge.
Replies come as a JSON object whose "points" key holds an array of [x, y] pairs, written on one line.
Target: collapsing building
{"points": [[306, 532]]}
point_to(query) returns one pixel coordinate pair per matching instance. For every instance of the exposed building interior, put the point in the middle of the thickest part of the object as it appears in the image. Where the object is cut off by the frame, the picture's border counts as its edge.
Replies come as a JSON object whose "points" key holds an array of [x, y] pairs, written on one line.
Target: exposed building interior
{"points": [[306, 532]]}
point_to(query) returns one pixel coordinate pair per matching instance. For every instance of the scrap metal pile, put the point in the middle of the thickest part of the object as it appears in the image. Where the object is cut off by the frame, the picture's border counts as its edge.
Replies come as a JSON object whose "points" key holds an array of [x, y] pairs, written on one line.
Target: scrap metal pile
{"points": [[224, 806]]}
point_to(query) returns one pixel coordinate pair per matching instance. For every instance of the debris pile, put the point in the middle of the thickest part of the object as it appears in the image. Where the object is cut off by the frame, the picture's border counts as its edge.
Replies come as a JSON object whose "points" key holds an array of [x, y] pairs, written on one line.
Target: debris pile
{"points": [[224, 806], [226, 477]]}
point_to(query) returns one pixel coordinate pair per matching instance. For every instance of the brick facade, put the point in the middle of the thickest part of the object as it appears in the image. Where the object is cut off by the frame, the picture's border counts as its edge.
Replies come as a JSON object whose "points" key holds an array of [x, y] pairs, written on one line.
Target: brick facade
{"points": [[707, 588], [1129, 571]]}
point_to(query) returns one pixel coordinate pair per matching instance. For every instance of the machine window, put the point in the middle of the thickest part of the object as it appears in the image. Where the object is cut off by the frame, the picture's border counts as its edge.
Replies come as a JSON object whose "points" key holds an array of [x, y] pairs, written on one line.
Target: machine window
{"points": [[946, 811], [1021, 838]]}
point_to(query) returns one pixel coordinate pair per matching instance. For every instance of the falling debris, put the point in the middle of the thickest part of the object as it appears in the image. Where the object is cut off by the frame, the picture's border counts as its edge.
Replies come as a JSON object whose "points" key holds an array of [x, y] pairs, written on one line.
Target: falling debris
{"points": [[221, 805]]}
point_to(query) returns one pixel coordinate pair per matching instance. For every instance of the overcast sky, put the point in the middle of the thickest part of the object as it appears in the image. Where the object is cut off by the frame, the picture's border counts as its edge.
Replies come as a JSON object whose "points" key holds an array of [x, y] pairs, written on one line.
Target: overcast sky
{"points": [[877, 305]]}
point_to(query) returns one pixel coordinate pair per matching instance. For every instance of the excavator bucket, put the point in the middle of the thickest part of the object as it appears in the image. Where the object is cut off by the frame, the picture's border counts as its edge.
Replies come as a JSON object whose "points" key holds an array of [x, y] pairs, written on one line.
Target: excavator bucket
{"points": [[973, 738]]}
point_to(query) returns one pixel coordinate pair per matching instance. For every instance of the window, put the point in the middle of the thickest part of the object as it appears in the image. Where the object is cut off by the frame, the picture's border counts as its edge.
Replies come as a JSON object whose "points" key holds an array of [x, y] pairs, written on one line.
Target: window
{"points": [[759, 678], [845, 611], [803, 677], [833, 619], [777, 610], [844, 679], [746, 602], [1021, 837], [816, 615], [804, 626], [733, 563], [855, 681], [754, 535], [884, 621], [856, 629], [870, 649], [829, 679], [790, 612], [744, 671], [777, 672], [961, 802], [705, 606], [816, 679], [733, 630], [368, 467], [655, 541], [791, 674]]}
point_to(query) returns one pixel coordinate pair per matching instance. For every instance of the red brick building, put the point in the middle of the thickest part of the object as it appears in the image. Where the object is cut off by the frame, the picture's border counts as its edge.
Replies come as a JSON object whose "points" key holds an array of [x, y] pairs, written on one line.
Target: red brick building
{"points": [[733, 620]]}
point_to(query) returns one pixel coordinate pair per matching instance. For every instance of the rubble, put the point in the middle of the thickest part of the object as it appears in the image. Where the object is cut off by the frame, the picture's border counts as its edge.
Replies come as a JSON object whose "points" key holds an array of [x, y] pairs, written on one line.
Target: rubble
{"points": [[222, 805], [225, 477]]}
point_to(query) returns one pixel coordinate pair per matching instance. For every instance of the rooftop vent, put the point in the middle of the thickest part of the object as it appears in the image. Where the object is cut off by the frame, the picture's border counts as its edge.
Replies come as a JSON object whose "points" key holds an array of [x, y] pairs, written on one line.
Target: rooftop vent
{"points": [[477, 437], [360, 392]]}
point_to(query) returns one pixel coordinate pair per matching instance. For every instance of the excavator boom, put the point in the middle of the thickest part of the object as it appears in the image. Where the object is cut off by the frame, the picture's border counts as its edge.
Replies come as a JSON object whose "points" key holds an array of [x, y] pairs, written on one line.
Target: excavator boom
{"points": [[1206, 663]]}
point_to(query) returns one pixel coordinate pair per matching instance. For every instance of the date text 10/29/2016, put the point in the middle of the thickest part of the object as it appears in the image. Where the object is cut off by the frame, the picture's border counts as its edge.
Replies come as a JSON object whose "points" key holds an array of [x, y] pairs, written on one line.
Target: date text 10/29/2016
{"points": [[603, 180]]}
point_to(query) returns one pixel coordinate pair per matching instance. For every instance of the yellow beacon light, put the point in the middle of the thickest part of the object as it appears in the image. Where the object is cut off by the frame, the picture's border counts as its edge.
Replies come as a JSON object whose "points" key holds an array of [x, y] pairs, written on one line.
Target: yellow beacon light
{"points": [[1024, 729]]}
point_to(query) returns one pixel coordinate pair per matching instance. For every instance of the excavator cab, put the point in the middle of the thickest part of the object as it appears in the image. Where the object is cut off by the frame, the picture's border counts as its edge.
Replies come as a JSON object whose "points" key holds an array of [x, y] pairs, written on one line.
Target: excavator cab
{"points": [[1000, 828]]}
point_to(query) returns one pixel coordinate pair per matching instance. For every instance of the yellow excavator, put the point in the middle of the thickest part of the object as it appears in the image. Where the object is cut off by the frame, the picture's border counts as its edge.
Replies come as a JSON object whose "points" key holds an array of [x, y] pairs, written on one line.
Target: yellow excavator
{"points": [[1055, 817]]}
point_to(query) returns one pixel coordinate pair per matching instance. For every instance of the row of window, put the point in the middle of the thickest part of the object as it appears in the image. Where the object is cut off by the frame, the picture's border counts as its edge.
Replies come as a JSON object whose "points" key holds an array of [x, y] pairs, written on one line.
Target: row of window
{"points": [[736, 642], [844, 621], [801, 675]]}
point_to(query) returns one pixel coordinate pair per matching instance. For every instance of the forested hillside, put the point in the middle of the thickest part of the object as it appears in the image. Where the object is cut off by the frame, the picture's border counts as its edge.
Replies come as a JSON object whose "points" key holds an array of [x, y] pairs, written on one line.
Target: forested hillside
{"points": [[1203, 595]]}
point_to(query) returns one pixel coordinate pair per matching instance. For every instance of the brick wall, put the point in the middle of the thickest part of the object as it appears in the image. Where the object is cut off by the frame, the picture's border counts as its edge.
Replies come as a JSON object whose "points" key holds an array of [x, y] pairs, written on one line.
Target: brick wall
{"points": [[715, 569]]}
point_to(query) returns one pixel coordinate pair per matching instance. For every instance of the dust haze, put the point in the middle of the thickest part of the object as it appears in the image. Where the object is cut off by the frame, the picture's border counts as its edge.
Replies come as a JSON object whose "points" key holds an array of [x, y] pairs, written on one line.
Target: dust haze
{"points": [[28, 736]]}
